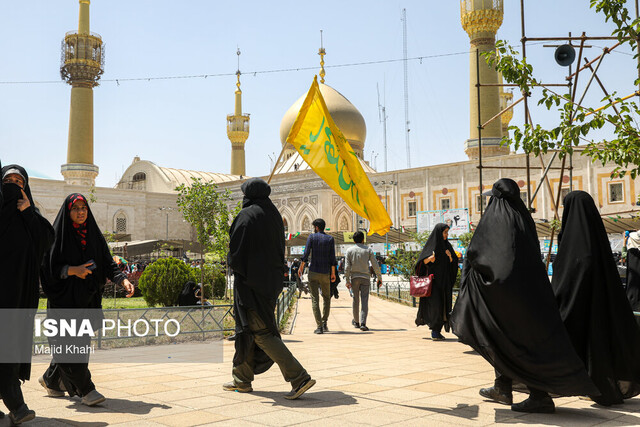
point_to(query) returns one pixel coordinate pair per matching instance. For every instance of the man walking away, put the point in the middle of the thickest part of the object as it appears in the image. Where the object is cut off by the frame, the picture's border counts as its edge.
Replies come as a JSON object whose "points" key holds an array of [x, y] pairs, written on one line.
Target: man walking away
{"points": [[256, 253], [358, 259], [322, 271]]}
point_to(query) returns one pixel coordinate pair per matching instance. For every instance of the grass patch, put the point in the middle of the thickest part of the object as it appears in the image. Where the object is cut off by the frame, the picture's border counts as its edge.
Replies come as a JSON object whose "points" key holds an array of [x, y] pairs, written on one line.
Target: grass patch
{"points": [[134, 302]]}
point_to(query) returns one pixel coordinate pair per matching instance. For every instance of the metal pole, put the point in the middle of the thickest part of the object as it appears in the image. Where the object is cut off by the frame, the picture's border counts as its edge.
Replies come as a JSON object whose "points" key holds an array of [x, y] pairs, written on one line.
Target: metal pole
{"points": [[167, 238], [480, 187], [526, 103]]}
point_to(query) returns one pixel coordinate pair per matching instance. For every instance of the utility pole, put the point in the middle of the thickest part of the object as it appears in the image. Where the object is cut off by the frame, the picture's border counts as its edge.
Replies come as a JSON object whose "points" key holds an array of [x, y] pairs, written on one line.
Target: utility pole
{"points": [[382, 116], [406, 86]]}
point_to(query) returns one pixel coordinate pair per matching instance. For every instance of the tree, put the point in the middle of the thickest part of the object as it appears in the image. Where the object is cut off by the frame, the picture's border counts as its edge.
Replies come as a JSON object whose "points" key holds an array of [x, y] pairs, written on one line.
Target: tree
{"points": [[208, 211], [162, 281], [576, 121], [405, 261]]}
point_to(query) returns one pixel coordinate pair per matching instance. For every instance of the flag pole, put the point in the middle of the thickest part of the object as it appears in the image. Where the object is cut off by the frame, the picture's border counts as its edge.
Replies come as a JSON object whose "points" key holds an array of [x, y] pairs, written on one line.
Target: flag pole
{"points": [[276, 164]]}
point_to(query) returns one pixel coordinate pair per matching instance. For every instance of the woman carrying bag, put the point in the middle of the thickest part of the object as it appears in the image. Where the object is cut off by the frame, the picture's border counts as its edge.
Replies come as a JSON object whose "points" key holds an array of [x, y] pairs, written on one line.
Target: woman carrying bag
{"points": [[78, 266], [437, 258]]}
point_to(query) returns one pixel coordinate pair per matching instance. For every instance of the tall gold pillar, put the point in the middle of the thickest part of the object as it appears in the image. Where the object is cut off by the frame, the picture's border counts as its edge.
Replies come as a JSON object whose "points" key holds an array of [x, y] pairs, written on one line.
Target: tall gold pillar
{"points": [[238, 133], [481, 20], [82, 66]]}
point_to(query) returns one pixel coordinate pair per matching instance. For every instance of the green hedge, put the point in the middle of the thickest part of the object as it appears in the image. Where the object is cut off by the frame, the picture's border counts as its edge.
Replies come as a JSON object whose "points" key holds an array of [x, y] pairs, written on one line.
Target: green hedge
{"points": [[162, 281]]}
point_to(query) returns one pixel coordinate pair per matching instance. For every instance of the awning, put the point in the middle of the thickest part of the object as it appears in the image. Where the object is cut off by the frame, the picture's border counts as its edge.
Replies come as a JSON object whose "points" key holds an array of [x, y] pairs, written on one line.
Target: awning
{"points": [[145, 247]]}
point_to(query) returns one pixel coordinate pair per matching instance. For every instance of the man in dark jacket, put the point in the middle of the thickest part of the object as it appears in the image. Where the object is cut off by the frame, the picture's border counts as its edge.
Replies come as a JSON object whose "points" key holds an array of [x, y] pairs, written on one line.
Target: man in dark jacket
{"points": [[256, 251]]}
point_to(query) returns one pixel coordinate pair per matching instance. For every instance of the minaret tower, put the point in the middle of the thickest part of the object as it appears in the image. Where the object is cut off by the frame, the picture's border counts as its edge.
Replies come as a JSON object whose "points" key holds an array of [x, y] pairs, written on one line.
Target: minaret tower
{"points": [[82, 66], [238, 130], [481, 20]]}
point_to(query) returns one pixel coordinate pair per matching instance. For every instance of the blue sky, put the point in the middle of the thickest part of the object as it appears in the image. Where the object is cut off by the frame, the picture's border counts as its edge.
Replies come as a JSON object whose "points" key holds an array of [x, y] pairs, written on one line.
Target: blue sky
{"points": [[181, 122]]}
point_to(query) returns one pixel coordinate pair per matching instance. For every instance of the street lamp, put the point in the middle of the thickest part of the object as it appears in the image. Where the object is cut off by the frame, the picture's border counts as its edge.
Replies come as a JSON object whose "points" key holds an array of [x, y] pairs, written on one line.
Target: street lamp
{"points": [[386, 185], [166, 208]]}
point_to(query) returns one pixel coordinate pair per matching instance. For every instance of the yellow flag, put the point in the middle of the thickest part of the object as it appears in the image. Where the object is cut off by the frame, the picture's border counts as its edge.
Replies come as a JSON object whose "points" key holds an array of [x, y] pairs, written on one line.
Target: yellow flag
{"points": [[324, 148]]}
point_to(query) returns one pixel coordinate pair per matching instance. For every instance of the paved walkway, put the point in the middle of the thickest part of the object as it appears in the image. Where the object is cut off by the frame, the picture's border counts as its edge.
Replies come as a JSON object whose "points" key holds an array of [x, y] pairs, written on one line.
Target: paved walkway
{"points": [[390, 375]]}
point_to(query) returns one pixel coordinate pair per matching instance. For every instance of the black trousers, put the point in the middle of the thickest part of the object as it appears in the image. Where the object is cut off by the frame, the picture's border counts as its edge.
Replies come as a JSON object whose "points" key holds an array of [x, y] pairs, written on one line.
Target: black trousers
{"points": [[505, 384], [10, 386], [75, 377]]}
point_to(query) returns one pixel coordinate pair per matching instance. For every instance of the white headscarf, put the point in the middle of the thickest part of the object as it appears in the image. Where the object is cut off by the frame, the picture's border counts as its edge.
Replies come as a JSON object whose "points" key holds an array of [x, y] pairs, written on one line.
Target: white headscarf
{"points": [[634, 240]]}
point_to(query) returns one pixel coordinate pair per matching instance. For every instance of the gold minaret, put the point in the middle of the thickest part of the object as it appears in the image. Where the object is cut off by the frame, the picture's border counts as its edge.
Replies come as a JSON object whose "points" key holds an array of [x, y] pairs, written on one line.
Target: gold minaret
{"points": [[238, 130], [82, 66], [481, 20]]}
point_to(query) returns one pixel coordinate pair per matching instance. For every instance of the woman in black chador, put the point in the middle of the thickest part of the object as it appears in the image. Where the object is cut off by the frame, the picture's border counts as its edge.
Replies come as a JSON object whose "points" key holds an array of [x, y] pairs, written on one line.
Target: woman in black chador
{"points": [[506, 309], [78, 265], [593, 303], [25, 236], [437, 258]]}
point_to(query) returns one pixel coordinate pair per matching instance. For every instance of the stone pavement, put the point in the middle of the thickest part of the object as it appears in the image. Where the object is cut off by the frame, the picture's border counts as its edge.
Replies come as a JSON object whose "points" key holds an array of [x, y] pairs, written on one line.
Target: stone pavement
{"points": [[390, 375]]}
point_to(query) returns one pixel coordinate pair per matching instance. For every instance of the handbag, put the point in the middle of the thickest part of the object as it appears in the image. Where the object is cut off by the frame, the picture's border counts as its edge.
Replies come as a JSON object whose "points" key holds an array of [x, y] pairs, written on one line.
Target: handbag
{"points": [[420, 286]]}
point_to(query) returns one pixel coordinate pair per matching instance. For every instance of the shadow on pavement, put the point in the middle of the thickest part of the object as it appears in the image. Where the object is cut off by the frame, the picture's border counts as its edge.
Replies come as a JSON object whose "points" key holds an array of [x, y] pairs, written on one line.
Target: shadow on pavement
{"points": [[462, 410], [126, 406], [320, 399], [45, 421], [566, 416]]}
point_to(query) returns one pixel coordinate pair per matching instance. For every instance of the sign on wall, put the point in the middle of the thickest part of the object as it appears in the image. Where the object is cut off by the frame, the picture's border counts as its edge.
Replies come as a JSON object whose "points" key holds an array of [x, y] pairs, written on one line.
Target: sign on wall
{"points": [[457, 219]]}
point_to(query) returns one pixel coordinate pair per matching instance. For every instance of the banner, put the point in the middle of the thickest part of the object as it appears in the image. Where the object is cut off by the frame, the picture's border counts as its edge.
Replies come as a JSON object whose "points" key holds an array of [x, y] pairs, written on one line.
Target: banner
{"points": [[456, 219], [324, 148]]}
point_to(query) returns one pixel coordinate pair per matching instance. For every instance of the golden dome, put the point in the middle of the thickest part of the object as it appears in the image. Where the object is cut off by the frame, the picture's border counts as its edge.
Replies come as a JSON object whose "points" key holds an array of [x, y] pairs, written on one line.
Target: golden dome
{"points": [[344, 114]]}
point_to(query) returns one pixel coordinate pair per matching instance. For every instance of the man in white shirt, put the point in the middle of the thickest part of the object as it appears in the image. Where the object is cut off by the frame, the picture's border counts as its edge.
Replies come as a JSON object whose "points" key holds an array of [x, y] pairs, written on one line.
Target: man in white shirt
{"points": [[357, 261]]}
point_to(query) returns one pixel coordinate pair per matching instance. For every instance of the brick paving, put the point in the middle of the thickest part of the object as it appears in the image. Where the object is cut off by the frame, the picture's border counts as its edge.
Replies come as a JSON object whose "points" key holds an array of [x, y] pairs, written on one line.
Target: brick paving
{"points": [[391, 375]]}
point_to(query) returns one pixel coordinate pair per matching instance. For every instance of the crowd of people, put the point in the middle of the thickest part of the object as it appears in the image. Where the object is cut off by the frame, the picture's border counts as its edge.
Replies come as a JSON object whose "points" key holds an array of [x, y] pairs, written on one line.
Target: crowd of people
{"points": [[573, 335]]}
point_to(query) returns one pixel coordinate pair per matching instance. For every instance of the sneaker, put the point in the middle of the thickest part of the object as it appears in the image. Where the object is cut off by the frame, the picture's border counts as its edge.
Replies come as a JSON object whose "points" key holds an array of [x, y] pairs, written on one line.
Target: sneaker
{"points": [[21, 415], [93, 398], [240, 388], [542, 405], [318, 331], [355, 324], [497, 395], [364, 328], [324, 327], [294, 394], [437, 336], [50, 392]]}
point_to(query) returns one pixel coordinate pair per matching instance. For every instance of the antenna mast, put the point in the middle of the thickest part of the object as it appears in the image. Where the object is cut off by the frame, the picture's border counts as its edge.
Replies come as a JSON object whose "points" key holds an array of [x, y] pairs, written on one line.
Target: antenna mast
{"points": [[382, 116], [406, 86]]}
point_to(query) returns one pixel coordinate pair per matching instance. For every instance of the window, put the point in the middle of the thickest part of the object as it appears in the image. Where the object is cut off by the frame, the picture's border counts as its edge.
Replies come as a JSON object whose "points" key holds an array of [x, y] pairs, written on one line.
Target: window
{"points": [[524, 196], [411, 208], [286, 226], [616, 192], [344, 224], [306, 224], [140, 176], [445, 204], [481, 199], [121, 225]]}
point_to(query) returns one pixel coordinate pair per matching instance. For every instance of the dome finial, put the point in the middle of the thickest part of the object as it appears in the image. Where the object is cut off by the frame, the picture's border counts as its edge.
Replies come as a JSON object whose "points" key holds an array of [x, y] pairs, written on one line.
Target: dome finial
{"points": [[238, 72], [322, 53]]}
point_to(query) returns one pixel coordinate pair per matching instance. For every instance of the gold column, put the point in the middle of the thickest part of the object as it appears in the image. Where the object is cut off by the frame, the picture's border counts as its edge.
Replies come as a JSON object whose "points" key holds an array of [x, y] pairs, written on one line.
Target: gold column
{"points": [[82, 66], [481, 20], [238, 132]]}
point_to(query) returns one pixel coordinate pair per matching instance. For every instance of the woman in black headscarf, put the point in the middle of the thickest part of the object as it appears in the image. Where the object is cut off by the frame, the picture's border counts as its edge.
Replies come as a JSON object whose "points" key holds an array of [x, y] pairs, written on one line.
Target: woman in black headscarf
{"points": [[632, 242], [593, 304], [25, 236], [78, 266], [437, 258], [506, 309], [256, 251]]}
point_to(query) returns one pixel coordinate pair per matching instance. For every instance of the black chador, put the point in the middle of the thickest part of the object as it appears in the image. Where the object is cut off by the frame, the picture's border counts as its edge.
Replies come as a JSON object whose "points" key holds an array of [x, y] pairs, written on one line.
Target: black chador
{"points": [[434, 311], [25, 236], [506, 309], [256, 256], [593, 304], [77, 244]]}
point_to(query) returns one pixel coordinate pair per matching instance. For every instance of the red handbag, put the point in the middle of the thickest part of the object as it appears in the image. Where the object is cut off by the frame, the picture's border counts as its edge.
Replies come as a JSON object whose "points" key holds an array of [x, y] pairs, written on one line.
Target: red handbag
{"points": [[420, 286]]}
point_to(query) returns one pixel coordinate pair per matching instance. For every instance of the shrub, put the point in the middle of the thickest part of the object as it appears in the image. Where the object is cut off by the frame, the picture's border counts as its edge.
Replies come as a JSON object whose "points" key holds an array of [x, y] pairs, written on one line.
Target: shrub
{"points": [[214, 277], [162, 281]]}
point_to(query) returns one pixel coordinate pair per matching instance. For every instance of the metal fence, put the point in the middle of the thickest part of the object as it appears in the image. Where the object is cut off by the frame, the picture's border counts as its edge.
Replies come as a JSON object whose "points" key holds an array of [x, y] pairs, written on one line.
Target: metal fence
{"points": [[196, 322], [398, 290]]}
